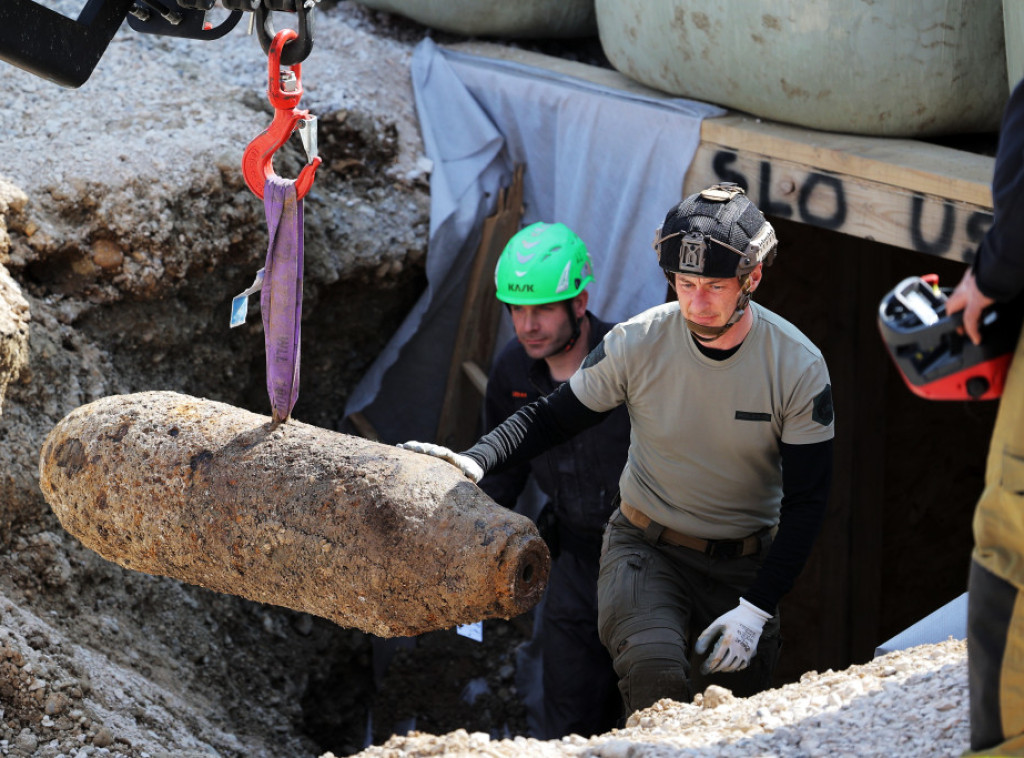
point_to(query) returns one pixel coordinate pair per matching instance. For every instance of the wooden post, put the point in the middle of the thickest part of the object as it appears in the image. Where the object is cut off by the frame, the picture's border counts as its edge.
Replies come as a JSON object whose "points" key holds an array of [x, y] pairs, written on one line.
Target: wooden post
{"points": [[458, 426]]}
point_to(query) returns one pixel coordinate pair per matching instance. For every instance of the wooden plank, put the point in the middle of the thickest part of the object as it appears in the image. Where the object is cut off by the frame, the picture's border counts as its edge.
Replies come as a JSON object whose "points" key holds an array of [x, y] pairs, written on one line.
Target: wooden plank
{"points": [[478, 325], [363, 427], [912, 165], [845, 203], [816, 615], [476, 377]]}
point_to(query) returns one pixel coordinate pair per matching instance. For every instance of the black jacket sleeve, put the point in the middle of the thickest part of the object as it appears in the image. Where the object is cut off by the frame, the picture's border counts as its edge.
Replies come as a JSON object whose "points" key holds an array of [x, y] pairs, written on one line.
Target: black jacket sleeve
{"points": [[806, 477], [533, 429], [999, 263], [504, 487]]}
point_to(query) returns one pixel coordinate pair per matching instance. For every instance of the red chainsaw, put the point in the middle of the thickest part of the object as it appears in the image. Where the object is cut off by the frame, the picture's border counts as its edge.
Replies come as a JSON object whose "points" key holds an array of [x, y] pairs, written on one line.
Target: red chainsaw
{"points": [[933, 355]]}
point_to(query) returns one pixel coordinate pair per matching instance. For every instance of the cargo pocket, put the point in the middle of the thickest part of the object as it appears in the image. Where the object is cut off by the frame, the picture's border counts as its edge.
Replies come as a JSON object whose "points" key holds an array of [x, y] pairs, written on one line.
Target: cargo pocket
{"points": [[618, 596]]}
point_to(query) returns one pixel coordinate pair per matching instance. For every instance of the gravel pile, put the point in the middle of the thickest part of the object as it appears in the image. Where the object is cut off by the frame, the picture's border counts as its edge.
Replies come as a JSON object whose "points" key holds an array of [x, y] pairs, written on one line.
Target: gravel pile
{"points": [[906, 703]]}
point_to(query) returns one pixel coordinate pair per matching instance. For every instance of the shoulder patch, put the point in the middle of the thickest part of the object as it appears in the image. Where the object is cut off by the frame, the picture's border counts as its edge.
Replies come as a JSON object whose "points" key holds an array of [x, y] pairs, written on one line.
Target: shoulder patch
{"points": [[595, 356], [823, 412]]}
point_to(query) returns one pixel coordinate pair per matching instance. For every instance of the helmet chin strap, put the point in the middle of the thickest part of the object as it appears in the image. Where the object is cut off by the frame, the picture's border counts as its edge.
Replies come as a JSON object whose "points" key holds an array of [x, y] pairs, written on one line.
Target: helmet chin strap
{"points": [[572, 339], [706, 333], [570, 343]]}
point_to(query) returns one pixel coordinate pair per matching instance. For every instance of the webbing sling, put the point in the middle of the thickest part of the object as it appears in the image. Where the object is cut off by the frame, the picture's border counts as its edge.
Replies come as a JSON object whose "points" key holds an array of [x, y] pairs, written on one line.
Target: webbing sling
{"points": [[281, 296]]}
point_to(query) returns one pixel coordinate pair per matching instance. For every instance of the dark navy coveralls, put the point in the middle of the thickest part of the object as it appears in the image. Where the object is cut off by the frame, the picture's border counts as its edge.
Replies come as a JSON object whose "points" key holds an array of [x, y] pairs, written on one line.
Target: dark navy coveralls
{"points": [[579, 479]]}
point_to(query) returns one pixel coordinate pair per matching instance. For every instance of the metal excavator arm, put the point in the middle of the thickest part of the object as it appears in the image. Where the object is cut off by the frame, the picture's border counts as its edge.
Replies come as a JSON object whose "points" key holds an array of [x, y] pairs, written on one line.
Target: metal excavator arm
{"points": [[66, 50]]}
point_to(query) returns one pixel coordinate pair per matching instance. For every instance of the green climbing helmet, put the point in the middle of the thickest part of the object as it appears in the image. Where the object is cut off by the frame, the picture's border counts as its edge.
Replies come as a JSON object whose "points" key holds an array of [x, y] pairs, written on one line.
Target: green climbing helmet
{"points": [[542, 263]]}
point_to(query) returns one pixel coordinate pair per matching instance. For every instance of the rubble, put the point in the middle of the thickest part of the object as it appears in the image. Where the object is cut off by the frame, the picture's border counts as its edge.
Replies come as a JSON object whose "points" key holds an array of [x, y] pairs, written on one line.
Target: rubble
{"points": [[909, 703]]}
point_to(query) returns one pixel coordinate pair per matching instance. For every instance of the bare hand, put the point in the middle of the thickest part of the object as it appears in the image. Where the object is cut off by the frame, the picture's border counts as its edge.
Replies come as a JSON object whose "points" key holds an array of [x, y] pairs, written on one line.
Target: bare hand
{"points": [[968, 298]]}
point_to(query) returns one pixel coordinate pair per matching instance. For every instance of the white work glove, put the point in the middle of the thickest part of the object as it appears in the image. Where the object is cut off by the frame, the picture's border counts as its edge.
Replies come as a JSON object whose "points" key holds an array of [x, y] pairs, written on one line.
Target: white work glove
{"points": [[464, 463], [740, 630]]}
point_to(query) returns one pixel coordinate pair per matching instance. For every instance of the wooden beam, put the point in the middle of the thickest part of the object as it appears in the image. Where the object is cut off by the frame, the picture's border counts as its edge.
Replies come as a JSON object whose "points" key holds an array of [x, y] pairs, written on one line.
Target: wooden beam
{"points": [[812, 194], [478, 325], [363, 427], [865, 456], [911, 165], [476, 377]]}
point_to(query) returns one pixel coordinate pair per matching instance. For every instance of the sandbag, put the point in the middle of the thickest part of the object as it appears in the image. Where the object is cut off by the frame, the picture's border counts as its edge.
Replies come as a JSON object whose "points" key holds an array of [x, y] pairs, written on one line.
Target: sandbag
{"points": [[887, 68], [367, 535], [494, 18]]}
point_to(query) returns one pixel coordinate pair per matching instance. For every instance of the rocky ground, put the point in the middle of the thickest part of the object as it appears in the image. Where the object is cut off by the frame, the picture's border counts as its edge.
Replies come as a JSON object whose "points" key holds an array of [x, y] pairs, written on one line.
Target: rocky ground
{"points": [[907, 703], [124, 231]]}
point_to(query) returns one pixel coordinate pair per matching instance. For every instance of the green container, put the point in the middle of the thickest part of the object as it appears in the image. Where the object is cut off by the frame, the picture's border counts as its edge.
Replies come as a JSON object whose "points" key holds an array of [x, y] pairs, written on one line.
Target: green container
{"points": [[900, 68]]}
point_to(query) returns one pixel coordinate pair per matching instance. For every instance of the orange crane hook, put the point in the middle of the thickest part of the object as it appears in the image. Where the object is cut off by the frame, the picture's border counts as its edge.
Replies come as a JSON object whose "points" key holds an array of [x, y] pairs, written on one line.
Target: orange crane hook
{"points": [[284, 90]]}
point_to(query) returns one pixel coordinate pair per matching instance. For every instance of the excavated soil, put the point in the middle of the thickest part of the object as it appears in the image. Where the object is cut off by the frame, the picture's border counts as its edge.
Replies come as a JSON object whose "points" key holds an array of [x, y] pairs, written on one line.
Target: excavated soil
{"points": [[124, 231]]}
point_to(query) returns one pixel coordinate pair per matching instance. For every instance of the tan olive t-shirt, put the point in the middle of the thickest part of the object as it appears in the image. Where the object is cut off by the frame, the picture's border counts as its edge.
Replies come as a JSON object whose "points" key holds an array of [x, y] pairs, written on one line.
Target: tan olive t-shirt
{"points": [[704, 449]]}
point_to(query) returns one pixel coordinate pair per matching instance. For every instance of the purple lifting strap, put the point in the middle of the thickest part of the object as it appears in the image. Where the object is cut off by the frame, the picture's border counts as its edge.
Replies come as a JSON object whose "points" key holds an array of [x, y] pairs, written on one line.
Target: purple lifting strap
{"points": [[281, 296]]}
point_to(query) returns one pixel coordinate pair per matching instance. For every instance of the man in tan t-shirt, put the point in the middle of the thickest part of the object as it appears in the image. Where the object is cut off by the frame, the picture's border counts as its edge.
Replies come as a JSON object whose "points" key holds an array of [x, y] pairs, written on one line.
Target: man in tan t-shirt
{"points": [[729, 462]]}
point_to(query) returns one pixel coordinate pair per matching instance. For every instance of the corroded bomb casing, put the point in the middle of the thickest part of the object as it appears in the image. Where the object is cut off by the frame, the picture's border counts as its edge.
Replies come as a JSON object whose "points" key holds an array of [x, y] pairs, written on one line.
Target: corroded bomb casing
{"points": [[364, 534]]}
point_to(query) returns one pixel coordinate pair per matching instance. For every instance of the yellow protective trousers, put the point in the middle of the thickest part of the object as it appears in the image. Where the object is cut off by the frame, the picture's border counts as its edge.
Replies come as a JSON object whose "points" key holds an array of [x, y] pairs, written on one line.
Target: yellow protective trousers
{"points": [[995, 617]]}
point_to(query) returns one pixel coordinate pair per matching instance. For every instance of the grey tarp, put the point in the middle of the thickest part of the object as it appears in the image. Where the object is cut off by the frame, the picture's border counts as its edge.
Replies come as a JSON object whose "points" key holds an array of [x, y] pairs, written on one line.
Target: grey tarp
{"points": [[948, 621], [607, 163]]}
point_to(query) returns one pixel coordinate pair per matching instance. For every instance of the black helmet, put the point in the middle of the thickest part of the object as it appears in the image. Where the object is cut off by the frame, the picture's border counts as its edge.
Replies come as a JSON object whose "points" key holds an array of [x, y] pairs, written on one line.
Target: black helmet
{"points": [[936, 361], [718, 233]]}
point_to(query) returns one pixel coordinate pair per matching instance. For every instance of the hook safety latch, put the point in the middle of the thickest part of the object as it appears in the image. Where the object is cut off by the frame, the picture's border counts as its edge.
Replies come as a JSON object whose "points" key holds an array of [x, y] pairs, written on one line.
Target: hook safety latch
{"points": [[284, 90]]}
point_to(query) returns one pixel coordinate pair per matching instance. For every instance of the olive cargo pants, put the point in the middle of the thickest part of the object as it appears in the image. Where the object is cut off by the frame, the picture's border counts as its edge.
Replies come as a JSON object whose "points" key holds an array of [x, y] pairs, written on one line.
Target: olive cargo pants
{"points": [[653, 602]]}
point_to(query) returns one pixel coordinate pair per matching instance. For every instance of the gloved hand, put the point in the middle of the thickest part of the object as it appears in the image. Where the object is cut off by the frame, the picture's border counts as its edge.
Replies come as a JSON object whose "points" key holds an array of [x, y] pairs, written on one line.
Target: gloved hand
{"points": [[740, 630], [464, 463]]}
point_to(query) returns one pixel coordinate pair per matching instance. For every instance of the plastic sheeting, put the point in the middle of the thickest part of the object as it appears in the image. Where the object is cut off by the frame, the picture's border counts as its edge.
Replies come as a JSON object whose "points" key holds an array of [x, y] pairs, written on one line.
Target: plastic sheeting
{"points": [[607, 163], [948, 621]]}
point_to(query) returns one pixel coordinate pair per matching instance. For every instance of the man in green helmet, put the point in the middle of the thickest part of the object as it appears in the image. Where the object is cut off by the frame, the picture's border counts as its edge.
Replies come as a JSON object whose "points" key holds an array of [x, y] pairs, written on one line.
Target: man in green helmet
{"points": [[729, 462], [542, 277]]}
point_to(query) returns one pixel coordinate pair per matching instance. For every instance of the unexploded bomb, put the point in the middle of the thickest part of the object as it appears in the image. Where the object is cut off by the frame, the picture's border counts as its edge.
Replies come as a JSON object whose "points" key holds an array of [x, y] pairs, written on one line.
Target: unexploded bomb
{"points": [[364, 534]]}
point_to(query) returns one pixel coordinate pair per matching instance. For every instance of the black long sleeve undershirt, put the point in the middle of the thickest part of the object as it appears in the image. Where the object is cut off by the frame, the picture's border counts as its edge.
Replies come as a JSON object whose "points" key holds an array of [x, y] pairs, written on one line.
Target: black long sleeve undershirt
{"points": [[806, 478], [531, 430]]}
